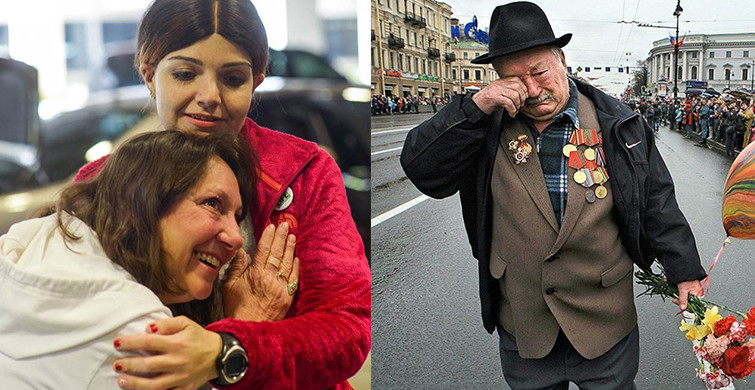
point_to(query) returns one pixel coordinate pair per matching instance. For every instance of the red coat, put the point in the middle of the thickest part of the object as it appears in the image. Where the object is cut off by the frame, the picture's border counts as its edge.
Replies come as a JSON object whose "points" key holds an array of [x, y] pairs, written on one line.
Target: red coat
{"points": [[326, 336]]}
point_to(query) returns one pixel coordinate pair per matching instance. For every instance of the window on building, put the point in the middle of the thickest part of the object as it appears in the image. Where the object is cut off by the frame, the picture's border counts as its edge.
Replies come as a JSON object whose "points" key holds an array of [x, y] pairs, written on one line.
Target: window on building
{"points": [[477, 74], [405, 9], [711, 73], [422, 39], [727, 74], [693, 73], [415, 39], [746, 53], [408, 63], [416, 65], [389, 4], [424, 66], [408, 41], [400, 61], [466, 56], [391, 59], [679, 73], [712, 54], [694, 54], [453, 72], [744, 73], [466, 74], [728, 54]]}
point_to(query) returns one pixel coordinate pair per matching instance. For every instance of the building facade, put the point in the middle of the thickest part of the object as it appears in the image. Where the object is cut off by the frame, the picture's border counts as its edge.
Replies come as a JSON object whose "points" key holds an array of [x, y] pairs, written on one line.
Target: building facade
{"points": [[720, 61], [411, 48], [472, 77]]}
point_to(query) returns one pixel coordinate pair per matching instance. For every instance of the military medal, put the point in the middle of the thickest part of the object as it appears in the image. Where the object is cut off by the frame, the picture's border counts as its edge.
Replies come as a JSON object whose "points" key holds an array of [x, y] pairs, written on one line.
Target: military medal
{"points": [[601, 192], [589, 162], [520, 148], [568, 148], [590, 196]]}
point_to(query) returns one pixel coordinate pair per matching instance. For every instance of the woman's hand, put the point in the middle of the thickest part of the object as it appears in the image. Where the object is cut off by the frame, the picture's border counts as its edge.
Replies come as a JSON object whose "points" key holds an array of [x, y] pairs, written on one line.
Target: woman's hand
{"points": [[185, 355], [264, 289]]}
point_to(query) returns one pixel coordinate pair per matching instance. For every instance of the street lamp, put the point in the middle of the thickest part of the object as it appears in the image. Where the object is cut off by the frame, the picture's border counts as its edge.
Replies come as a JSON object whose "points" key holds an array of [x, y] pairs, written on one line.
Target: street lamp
{"points": [[677, 12]]}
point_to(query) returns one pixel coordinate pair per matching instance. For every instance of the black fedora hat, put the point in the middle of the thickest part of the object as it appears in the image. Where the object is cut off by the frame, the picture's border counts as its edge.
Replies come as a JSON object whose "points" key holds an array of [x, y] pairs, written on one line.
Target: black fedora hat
{"points": [[519, 26]]}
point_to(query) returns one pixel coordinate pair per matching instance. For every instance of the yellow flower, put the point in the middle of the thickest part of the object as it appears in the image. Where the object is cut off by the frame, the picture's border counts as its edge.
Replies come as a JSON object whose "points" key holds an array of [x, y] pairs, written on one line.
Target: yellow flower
{"points": [[694, 332], [711, 317]]}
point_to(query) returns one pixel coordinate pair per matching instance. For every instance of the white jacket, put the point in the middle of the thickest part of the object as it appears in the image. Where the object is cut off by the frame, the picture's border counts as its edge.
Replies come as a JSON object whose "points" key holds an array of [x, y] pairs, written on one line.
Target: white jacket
{"points": [[62, 307]]}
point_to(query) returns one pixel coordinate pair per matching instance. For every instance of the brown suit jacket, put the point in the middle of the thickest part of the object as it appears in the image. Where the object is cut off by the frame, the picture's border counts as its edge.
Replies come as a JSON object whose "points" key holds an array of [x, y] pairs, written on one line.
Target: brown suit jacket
{"points": [[577, 278]]}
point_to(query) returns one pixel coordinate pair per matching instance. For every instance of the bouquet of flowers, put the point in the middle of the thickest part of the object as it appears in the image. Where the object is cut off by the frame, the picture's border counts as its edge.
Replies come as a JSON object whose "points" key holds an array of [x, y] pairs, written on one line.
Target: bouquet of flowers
{"points": [[724, 346]]}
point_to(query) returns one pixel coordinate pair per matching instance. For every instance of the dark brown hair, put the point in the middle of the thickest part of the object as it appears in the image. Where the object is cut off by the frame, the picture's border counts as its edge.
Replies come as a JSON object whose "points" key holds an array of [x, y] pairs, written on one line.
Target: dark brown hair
{"points": [[140, 182], [170, 25]]}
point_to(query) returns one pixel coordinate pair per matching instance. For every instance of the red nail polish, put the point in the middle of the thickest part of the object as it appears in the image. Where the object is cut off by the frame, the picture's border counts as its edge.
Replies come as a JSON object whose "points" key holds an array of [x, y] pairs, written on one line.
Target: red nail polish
{"points": [[117, 343], [153, 328], [118, 367]]}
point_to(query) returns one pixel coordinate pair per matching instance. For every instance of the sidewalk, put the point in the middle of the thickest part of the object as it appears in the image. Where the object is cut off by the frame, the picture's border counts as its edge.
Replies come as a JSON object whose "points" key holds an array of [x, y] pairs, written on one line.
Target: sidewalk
{"points": [[713, 145]]}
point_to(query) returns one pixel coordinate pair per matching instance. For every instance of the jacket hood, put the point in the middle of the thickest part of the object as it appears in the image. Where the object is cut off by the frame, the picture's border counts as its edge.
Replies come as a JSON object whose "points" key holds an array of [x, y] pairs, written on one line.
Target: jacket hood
{"points": [[55, 296]]}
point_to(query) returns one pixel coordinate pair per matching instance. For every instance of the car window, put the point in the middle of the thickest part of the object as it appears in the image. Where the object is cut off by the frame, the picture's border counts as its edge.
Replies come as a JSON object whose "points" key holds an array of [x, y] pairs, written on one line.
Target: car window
{"points": [[300, 64], [67, 139], [14, 177]]}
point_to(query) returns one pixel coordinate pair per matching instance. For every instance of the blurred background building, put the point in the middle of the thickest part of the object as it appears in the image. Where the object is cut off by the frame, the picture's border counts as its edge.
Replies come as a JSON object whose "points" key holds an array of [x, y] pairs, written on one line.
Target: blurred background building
{"points": [[719, 61], [472, 77]]}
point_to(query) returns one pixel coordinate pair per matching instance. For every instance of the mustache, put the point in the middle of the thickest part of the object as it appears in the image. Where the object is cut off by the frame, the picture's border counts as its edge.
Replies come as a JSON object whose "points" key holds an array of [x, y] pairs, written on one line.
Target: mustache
{"points": [[538, 99]]}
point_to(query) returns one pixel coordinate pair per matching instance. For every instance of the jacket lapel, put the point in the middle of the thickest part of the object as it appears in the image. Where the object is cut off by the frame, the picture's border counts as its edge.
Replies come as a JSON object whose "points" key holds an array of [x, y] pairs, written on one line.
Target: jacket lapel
{"points": [[530, 173], [575, 198]]}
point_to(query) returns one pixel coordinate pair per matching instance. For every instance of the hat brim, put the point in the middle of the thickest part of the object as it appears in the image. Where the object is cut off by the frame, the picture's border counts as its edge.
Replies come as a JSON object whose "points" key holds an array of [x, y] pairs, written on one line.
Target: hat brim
{"points": [[488, 57]]}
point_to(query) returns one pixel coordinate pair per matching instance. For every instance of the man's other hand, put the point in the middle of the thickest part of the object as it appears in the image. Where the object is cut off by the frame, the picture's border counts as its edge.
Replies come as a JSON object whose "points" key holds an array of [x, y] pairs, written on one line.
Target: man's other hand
{"points": [[685, 288]]}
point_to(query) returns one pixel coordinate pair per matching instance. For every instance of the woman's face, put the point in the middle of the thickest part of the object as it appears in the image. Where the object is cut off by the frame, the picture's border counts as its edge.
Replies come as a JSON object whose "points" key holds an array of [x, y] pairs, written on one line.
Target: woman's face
{"points": [[200, 232], [204, 87]]}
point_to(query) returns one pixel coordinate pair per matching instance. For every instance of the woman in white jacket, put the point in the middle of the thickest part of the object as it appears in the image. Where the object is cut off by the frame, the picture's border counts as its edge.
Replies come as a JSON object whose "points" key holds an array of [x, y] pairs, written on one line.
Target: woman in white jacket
{"points": [[153, 229]]}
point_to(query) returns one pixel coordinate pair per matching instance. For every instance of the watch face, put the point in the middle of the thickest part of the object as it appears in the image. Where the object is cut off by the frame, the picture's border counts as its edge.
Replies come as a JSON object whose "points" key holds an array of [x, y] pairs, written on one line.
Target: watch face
{"points": [[236, 364]]}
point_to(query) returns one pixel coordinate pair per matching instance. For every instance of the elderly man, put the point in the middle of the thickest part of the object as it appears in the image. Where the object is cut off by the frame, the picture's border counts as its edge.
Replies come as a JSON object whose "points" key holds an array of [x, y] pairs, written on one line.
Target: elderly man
{"points": [[562, 190]]}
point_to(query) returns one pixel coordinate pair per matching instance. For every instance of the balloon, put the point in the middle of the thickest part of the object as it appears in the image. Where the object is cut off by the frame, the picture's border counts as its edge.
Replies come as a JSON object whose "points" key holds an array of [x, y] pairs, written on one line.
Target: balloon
{"points": [[739, 196]]}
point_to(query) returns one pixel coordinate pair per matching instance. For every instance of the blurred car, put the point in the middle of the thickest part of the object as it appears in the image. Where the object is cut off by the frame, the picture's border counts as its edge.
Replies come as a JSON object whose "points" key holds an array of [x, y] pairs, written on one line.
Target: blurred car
{"points": [[317, 106]]}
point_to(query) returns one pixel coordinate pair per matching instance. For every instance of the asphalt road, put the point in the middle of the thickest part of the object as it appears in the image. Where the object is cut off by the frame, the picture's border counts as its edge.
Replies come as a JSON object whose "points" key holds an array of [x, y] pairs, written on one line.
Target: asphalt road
{"points": [[427, 331]]}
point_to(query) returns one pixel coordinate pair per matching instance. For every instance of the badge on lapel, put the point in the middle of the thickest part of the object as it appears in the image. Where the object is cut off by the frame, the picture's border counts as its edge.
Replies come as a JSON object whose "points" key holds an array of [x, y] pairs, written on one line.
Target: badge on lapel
{"points": [[520, 148]]}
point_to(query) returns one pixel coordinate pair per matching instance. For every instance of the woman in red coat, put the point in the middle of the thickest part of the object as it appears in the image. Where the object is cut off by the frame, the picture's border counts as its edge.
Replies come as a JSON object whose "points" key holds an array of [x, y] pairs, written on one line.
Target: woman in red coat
{"points": [[202, 60]]}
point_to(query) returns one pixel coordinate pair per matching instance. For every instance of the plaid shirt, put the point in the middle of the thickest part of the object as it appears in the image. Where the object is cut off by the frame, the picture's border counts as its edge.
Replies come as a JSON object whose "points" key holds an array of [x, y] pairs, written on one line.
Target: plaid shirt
{"points": [[550, 144]]}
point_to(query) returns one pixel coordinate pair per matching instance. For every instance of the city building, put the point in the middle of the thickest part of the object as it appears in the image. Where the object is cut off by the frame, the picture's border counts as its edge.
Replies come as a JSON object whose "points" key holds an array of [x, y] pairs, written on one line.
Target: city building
{"points": [[414, 41], [473, 77], [719, 61]]}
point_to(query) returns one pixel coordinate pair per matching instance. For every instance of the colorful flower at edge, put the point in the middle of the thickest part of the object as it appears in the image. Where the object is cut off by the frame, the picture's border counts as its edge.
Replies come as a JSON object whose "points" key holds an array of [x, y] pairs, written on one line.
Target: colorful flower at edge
{"points": [[737, 333], [722, 327], [711, 317], [714, 380], [694, 332], [736, 362], [749, 322]]}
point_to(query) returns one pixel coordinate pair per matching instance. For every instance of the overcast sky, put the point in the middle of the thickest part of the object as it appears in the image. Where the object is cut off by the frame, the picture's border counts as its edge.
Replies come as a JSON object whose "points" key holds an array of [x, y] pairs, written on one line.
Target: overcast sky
{"points": [[600, 40]]}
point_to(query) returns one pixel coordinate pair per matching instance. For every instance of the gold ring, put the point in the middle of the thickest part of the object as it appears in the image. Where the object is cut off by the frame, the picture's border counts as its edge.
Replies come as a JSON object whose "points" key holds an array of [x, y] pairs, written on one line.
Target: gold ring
{"points": [[280, 273], [292, 286], [276, 263]]}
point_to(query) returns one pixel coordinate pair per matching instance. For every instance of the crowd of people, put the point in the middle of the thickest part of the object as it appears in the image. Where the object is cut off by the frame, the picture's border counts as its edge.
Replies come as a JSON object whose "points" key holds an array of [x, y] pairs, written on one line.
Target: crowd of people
{"points": [[390, 105], [728, 120]]}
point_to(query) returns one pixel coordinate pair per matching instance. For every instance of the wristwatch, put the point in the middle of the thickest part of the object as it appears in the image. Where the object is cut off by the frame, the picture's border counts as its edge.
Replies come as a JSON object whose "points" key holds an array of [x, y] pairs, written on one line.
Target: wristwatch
{"points": [[231, 363]]}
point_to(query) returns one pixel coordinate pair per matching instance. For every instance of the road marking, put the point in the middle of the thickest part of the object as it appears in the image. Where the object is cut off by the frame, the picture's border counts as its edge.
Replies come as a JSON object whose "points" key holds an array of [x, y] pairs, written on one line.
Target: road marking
{"points": [[392, 131], [386, 151], [397, 210]]}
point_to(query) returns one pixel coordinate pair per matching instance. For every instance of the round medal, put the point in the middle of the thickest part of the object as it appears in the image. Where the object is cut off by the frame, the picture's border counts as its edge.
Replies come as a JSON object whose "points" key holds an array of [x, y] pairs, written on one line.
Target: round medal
{"points": [[580, 177], [597, 177], [601, 192], [589, 154], [568, 148], [589, 196]]}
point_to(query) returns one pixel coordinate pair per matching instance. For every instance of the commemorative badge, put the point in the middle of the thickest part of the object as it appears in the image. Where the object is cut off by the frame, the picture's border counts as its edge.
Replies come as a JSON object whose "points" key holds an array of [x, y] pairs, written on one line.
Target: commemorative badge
{"points": [[585, 155], [520, 148]]}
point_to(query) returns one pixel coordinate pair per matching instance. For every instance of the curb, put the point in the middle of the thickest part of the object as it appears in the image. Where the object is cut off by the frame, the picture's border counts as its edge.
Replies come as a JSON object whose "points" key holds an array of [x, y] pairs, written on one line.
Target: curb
{"points": [[713, 145]]}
